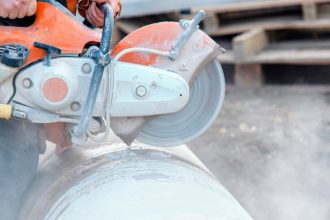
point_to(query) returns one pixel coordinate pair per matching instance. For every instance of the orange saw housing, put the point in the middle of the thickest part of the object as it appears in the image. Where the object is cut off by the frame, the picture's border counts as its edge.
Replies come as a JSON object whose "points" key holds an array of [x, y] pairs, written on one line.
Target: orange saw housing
{"points": [[52, 27]]}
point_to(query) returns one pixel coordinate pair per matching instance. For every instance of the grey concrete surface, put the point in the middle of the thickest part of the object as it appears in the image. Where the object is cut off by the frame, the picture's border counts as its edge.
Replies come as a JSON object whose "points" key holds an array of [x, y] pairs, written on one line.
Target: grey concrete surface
{"points": [[271, 148]]}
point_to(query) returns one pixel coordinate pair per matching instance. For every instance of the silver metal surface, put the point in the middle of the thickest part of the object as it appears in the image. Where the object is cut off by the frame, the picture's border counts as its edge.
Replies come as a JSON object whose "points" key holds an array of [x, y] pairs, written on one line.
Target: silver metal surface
{"points": [[206, 98], [19, 114]]}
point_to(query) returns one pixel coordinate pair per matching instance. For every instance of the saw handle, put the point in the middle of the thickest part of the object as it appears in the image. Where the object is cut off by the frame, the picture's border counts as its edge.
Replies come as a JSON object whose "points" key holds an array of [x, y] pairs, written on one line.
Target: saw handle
{"points": [[109, 22], [88, 24], [102, 59]]}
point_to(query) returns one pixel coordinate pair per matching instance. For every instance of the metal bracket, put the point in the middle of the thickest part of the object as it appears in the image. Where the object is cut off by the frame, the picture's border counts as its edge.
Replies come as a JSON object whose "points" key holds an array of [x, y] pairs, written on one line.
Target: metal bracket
{"points": [[100, 58], [34, 115], [190, 27]]}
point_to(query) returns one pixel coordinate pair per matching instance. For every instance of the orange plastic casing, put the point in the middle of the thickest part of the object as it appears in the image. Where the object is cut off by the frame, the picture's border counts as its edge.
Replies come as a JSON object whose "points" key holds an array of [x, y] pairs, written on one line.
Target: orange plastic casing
{"points": [[52, 27]]}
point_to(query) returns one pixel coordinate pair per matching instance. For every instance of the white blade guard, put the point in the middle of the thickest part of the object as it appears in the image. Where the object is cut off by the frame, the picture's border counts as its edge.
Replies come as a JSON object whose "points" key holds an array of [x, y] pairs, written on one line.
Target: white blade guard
{"points": [[197, 63]]}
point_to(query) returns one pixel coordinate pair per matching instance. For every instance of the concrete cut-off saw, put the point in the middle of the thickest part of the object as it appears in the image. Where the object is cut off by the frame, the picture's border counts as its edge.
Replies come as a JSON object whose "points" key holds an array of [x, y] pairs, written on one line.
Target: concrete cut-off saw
{"points": [[162, 85]]}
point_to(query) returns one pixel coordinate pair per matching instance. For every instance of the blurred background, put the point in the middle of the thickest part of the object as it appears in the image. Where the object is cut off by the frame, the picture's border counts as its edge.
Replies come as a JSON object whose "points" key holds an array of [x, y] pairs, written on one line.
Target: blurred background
{"points": [[271, 144]]}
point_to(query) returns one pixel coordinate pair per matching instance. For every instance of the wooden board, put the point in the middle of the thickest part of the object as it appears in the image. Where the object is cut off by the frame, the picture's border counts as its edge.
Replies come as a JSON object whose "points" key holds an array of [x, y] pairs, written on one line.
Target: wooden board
{"points": [[271, 24], [290, 22], [238, 17], [137, 8], [269, 15], [292, 56], [254, 5], [249, 44], [261, 47]]}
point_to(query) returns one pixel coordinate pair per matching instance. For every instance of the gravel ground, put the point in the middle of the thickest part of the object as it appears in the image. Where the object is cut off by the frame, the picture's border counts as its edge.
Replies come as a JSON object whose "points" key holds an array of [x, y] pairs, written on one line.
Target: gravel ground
{"points": [[271, 148]]}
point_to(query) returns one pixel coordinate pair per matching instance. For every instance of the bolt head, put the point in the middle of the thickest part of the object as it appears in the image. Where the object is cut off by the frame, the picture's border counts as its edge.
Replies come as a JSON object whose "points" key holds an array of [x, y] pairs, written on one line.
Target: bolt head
{"points": [[75, 106], [86, 68], [141, 91], [186, 25], [27, 83]]}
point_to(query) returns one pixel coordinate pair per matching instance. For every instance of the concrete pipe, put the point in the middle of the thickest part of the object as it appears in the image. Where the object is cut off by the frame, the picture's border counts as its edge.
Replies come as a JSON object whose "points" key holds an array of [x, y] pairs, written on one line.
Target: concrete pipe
{"points": [[139, 183]]}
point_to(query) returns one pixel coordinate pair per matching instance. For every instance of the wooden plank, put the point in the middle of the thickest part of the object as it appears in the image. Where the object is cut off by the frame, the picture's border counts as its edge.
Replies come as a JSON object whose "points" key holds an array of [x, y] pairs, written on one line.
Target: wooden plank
{"points": [[272, 24], [293, 56], [248, 75], [215, 27], [249, 44], [211, 22], [254, 5], [323, 11], [136, 8], [304, 52], [303, 57], [227, 58], [309, 11]]}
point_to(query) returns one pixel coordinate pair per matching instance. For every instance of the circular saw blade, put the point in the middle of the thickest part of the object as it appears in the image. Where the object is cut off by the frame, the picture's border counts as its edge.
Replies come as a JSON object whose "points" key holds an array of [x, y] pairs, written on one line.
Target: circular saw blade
{"points": [[206, 98]]}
